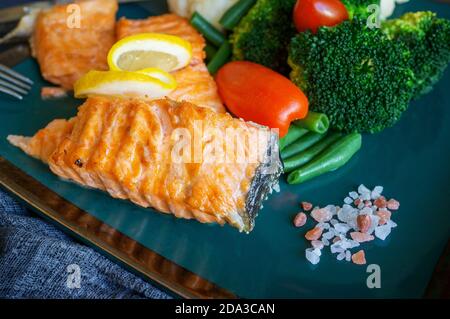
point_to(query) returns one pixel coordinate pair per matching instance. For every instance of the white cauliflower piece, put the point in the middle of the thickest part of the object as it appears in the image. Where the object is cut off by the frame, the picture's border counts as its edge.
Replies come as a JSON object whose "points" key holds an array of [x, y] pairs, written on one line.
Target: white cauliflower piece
{"points": [[387, 7], [211, 10], [180, 7]]}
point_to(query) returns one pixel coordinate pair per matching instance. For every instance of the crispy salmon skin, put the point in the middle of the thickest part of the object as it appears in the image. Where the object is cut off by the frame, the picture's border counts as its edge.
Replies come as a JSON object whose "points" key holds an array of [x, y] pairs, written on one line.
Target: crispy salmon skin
{"points": [[69, 40], [130, 148], [195, 84]]}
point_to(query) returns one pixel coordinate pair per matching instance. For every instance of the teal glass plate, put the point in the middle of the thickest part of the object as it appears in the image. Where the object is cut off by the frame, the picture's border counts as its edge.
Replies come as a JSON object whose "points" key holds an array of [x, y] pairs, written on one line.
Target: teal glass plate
{"points": [[411, 160]]}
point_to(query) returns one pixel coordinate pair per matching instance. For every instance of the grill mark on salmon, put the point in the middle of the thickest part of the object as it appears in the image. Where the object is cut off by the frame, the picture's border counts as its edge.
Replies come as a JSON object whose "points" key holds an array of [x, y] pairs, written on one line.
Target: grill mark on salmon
{"points": [[125, 147]]}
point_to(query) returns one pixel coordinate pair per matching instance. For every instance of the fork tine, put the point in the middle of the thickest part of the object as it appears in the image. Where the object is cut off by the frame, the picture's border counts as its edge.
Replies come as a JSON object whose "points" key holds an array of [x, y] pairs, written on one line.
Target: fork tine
{"points": [[10, 92], [15, 81], [13, 73], [13, 87]]}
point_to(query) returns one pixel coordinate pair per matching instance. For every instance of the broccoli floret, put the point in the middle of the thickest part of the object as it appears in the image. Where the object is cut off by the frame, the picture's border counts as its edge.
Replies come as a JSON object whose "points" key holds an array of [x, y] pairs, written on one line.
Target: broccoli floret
{"points": [[355, 75], [359, 8], [428, 39], [263, 35]]}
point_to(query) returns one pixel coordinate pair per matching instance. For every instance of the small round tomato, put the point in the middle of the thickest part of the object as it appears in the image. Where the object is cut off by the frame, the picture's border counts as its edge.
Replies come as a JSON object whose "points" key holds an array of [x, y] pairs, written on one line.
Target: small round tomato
{"points": [[258, 94], [312, 14]]}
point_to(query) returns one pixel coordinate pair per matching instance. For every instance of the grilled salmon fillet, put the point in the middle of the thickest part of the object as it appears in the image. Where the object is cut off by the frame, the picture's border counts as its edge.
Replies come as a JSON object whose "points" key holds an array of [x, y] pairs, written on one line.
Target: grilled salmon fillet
{"points": [[45, 141], [195, 84], [130, 148], [65, 51]]}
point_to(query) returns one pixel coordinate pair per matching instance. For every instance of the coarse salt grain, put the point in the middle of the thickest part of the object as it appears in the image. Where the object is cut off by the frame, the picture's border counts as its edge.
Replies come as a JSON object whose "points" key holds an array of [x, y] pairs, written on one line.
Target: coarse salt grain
{"points": [[348, 255], [392, 204], [317, 244], [363, 189], [328, 235], [348, 200], [312, 256], [373, 223], [324, 226], [347, 213], [378, 189], [341, 228], [300, 220], [384, 215], [391, 223], [332, 209], [321, 215], [383, 231], [353, 195], [341, 256], [365, 196], [380, 202], [359, 258], [363, 222], [354, 243], [314, 233], [361, 237], [376, 192], [306, 206], [336, 248], [366, 211]]}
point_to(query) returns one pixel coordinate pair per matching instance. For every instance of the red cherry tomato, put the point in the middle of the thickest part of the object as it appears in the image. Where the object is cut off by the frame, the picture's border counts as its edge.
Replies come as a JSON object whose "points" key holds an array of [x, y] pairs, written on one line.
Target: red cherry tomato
{"points": [[312, 14], [258, 94]]}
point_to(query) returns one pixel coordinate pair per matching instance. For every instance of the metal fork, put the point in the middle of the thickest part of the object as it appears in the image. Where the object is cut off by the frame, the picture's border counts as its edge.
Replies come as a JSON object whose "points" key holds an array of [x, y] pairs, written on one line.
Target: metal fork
{"points": [[13, 83]]}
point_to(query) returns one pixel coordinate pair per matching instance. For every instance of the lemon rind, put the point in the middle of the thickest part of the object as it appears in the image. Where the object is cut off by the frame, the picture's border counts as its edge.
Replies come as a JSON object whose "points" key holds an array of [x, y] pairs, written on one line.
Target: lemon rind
{"points": [[139, 39], [94, 82]]}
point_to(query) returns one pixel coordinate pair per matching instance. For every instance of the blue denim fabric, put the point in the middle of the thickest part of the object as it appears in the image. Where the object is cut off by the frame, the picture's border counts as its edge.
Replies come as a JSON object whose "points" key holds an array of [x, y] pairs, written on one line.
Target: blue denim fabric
{"points": [[39, 261]]}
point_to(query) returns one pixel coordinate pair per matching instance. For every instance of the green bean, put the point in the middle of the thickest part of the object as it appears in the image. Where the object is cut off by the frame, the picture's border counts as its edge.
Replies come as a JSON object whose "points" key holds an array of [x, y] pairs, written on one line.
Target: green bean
{"points": [[233, 15], [332, 158], [222, 56], [204, 27], [301, 144], [314, 122], [210, 51], [293, 134], [296, 161]]}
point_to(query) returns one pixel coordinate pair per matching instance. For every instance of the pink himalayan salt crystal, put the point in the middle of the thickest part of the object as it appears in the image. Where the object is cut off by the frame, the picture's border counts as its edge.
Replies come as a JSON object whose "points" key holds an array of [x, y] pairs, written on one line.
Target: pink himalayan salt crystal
{"points": [[392, 204], [384, 215], [336, 239], [300, 220], [357, 202], [317, 244], [306, 206], [380, 202], [361, 237], [321, 215], [314, 233], [359, 258], [364, 223]]}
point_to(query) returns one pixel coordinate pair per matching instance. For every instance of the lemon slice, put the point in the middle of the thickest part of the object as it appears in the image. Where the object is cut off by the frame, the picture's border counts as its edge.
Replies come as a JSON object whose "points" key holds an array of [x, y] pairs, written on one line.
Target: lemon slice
{"points": [[160, 75], [146, 84], [150, 50]]}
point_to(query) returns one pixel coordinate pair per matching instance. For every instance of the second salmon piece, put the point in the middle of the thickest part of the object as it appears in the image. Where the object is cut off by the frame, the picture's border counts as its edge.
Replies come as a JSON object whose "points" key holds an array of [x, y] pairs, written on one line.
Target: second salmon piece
{"points": [[68, 43]]}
